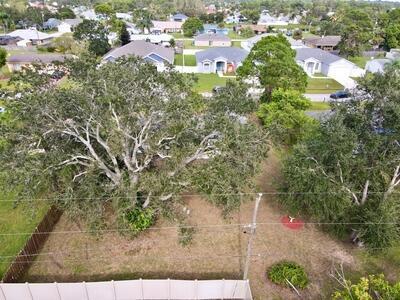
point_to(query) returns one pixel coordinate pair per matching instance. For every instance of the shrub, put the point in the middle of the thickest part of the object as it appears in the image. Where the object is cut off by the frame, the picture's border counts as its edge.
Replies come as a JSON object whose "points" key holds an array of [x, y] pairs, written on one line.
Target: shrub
{"points": [[285, 271], [139, 219], [186, 235], [371, 287]]}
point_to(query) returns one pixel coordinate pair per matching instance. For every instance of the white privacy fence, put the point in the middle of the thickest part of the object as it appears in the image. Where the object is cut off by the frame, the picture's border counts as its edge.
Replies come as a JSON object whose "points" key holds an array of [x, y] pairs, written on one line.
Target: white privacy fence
{"points": [[129, 290]]}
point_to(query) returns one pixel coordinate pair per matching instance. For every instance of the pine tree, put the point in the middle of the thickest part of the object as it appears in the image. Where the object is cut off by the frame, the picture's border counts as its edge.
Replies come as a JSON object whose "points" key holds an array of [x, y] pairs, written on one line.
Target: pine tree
{"points": [[124, 35]]}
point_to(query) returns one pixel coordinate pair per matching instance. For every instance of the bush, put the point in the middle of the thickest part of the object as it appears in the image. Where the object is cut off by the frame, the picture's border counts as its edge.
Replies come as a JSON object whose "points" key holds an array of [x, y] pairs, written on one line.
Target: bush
{"points": [[186, 235], [139, 219], [285, 271], [369, 288]]}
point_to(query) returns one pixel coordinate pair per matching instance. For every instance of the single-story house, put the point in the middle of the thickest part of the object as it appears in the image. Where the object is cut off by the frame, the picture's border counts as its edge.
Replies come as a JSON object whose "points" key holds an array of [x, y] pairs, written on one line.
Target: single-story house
{"points": [[327, 43], [267, 20], [31, 36], [179, 17], [159, 55], [249, 43], [314, 60], [221, 59], [257, 29], [123, 16], [17, 61], [68, 25], [235, 18], [51, 23], [214, 28], [212, 40], [6, 40], [377, 65], [166, 27], [158, 39]]}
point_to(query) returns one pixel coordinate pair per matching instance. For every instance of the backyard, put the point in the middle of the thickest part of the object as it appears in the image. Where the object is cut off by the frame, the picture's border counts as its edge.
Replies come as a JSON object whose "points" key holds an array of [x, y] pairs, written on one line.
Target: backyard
{"points": [[217, 250], [322, 86]]}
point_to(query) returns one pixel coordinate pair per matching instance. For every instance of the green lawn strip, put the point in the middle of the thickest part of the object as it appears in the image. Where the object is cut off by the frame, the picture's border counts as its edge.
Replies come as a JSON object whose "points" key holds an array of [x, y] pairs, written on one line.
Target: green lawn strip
{"points": [[319, 106], [237, 44], [177, 35], [233, 35], [206, 82], [322, 86], [190, 60], [23, 217]]}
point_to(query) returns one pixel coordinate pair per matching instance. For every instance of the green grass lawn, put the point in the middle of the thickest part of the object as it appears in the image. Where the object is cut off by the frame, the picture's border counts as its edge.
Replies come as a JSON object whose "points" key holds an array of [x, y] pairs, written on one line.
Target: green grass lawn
{"points": [[190, 60], [177, 35], [206, 82], [237, 44], [188, 44], [319, 106], [21, 218], [233, 35], [322, 86]]}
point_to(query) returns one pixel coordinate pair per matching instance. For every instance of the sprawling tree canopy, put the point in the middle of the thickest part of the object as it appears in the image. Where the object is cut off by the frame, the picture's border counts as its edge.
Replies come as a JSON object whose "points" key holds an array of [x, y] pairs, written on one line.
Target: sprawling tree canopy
{"points": [[95, 34], [272, 61], [349, 171], [123, 129]]}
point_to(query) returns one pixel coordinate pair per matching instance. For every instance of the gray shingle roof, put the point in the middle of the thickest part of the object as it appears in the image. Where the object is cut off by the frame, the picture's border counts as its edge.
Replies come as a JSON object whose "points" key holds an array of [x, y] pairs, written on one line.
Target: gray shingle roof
{"points": [[142, 49], [73, 22], [212, 37], [229, 53], [36, 58], [303, 54]]}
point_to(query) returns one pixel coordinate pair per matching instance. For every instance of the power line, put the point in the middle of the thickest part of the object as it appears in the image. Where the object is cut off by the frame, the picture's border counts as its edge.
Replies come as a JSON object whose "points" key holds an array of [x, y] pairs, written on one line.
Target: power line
{"points": [[191, 226], [185, 195]]}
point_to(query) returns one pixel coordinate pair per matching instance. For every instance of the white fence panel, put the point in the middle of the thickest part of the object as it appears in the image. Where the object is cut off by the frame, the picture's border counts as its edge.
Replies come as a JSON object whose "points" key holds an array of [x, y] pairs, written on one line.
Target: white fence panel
{"points": [[72, 291], [100, 290], [128, 289], [16, 291], [44, 291], [183, 289]]}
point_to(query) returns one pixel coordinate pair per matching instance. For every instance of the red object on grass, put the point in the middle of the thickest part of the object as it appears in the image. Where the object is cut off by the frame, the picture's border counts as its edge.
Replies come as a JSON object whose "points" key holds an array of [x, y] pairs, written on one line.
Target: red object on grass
{"points": [[292, 223]]}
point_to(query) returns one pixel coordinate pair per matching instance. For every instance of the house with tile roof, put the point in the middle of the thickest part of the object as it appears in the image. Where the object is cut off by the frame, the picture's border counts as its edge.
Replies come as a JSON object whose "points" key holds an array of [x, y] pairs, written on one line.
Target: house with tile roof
{"points": [[220, 59], [166, 27], [158, 55]]}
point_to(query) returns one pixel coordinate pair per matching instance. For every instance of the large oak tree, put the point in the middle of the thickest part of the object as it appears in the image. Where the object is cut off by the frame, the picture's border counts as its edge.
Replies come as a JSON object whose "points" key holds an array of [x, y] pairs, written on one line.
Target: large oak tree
{"points": [[124, 131]]}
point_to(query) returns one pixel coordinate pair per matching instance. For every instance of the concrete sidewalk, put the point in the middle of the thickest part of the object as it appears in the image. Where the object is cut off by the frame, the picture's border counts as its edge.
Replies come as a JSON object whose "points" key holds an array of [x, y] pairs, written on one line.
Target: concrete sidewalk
{"points": [[318, 97]]}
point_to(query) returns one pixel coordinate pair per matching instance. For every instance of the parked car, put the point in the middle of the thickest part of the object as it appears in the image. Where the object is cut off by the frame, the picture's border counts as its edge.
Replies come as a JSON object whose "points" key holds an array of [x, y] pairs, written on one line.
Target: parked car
{"points": [[340, 95], [218, 89]]}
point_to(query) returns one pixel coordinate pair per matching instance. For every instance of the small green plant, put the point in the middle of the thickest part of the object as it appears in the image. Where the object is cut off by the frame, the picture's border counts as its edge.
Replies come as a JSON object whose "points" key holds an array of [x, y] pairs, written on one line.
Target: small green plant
{"points": [[285, 271], [139, 219], [186, 235]]}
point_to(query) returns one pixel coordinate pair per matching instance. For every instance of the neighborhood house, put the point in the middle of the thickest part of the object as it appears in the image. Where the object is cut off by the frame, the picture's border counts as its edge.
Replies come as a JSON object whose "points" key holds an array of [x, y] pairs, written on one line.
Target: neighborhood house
{"points": [[17, 61], [30, 37], [166, 27], [213, 40], [327, 43], [314, 60], [179, 18], [158, 55], [68, 25], [220, 60]]}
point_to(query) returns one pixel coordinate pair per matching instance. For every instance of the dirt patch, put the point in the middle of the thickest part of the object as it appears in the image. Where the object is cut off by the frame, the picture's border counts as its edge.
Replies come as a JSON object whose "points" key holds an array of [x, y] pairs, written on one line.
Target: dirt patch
{"points": [[218, 249]]}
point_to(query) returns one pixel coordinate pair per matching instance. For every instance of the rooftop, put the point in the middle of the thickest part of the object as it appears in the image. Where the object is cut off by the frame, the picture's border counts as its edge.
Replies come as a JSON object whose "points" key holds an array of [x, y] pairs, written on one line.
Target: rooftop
{"points": [[329, 40], [303, 54], [212, 37], [230, 53], [36, 58], [142, 49]]}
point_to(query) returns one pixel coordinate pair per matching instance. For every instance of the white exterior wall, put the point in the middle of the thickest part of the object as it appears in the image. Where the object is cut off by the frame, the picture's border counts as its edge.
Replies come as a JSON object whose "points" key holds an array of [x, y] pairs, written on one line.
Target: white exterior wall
{"points": [[202, 43], [64, 28], [221, 43]]}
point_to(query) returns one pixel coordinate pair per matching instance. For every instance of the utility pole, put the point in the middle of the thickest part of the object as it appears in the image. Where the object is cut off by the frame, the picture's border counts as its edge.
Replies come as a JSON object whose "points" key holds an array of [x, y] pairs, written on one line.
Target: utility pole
{"points": [[253, 227]]}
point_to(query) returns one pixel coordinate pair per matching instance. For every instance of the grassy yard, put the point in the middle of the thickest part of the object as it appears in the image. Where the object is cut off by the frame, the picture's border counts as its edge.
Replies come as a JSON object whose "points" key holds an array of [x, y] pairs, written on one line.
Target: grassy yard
{"points": [[237, 44], [319, 106], [190, 60], [322, 86], [233, 35], [206, 82], [23, 217]]}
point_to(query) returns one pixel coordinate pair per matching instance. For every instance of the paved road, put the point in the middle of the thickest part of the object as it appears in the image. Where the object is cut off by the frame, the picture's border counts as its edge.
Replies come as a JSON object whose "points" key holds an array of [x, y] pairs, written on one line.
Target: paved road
{"points": [[317, 97]]}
